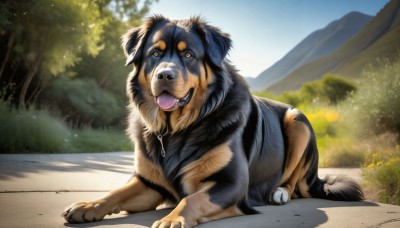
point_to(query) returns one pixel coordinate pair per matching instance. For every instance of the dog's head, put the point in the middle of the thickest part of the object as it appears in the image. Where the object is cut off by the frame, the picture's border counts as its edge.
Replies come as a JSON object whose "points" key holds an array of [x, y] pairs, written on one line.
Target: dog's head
{"points": [[177, 67]]}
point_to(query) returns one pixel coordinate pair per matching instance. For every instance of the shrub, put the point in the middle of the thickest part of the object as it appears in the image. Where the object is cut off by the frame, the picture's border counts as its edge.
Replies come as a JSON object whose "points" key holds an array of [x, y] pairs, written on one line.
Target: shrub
{"points": [[83, 103], [35, 131], [292, 98], [336, 89], [31, 131], [330, 89], [375, 107]]}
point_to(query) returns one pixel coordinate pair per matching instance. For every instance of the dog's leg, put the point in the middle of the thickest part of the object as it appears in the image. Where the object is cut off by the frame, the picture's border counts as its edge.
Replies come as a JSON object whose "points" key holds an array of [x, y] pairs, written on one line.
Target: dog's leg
{"points": [[298, 135], [212, 199], [194, 209], [229, 212], [133, 197]]}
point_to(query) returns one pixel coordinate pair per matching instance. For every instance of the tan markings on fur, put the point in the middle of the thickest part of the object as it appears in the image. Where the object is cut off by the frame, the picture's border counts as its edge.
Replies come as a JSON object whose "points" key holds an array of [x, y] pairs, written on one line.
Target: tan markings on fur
{"points": [[191, 209], [302, 185], [183, 117], [298, 137], [203, 79], [150, 112], [206, 77], [210, 74], [290, 184], [161, 45], [147, 199], [181, 45], [134, 196], [229, 212], [151, 171], [208, 164]]}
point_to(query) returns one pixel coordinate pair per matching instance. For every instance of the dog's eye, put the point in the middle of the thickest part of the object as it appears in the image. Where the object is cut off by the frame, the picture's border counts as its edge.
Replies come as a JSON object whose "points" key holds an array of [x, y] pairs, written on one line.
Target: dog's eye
{"points": [[188, 55], [156, 54]]}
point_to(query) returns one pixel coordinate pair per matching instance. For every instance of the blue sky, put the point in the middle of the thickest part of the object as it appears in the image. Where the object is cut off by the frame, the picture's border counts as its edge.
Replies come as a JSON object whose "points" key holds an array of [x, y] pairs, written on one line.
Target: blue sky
{"points": [[263, 31]]}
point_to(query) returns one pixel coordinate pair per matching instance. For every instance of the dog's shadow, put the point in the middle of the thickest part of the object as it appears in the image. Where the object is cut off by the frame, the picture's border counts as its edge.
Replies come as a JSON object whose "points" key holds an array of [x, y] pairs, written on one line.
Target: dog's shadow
{"points": [[298, 213]]}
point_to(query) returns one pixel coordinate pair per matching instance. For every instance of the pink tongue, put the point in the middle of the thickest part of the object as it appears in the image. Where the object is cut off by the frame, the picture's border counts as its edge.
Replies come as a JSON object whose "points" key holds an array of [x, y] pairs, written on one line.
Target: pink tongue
{"points": [[166, 101]]}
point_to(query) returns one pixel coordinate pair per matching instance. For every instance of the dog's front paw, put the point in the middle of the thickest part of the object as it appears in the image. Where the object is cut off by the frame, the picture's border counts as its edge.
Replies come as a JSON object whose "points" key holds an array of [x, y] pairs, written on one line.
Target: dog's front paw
{"points": [[280, 196], [84, 212], [171, 222]]}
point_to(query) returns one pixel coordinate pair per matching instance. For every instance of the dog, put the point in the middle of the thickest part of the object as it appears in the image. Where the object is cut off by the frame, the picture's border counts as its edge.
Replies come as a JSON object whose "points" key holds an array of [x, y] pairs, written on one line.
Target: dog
{"points": [[202, 142]]}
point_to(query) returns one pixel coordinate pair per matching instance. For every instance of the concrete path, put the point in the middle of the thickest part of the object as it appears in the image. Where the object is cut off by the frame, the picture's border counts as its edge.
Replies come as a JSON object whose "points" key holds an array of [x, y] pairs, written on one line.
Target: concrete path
{"points": [[34, 190]]}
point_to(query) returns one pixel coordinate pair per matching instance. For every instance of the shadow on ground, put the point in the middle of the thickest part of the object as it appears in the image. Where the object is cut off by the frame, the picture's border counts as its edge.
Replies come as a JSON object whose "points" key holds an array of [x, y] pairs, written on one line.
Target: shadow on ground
{"points": [[302, 212], [18, 165]]}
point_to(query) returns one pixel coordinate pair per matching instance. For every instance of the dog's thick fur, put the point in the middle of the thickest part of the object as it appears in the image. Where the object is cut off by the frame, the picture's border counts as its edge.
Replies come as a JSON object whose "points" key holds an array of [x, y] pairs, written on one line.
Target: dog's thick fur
{"points": [[202, 142]]}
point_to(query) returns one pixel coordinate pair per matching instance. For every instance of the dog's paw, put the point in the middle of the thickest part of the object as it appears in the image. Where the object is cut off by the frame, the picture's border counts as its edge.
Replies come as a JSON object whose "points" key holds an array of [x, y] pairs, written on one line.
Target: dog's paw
{"points": [[84, 212], [171, 222], [280, 196]]}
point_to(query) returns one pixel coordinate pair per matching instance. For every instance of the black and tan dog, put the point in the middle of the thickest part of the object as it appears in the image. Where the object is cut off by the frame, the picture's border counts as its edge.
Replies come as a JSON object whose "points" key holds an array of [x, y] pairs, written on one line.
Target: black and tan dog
{"points": [[202, 142]]}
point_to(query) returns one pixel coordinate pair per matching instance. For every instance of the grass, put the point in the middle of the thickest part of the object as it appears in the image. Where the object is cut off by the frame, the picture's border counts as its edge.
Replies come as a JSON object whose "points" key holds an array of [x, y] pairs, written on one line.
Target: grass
{"points": [[31, 131], [91, 140], [34, 131]]}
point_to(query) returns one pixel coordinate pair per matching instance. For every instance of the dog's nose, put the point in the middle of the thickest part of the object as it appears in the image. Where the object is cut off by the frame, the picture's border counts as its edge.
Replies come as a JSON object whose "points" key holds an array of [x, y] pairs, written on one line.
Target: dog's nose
{"points": [[166, 75]]}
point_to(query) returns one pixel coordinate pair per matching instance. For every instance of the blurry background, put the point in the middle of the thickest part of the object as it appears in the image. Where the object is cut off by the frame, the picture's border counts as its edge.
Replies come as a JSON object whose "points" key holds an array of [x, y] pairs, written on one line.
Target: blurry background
{"points": [[62, 74]]}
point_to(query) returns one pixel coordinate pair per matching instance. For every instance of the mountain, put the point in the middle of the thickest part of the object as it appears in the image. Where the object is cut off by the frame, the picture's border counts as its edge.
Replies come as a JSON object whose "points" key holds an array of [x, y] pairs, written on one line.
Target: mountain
{"points": [[319, 43], [380, 38]]}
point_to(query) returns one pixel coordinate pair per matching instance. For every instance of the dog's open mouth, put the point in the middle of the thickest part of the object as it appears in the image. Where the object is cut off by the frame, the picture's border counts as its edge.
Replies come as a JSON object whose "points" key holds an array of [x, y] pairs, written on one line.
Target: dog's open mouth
{"points": [[168, 102]]}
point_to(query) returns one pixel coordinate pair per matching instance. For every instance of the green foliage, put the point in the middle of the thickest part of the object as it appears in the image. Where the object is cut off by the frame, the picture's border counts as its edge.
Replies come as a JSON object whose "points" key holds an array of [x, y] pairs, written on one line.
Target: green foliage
{"points": [[375, 107], [34, 131], [336, 89], [54, 32], [331, 89], [128, 9], [90, 140], [107, 68], [31, 131], [83, 103], [44, 40], [293, 98]]}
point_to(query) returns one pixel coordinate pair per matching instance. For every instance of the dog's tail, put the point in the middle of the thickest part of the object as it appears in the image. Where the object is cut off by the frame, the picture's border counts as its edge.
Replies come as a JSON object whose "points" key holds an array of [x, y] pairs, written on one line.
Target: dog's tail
{"points": [[340, 188]]}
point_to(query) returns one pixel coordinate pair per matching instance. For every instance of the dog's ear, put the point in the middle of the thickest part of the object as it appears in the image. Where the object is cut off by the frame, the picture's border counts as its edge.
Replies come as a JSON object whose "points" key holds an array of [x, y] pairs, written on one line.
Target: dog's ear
{"points": [[131, 45], [217, 43], [134, 39]]}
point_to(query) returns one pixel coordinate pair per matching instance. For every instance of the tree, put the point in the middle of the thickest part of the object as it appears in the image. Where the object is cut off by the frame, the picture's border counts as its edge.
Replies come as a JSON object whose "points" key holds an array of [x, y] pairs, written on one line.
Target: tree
{"points": [[336, 89], [330, 88], [43, 38]]}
